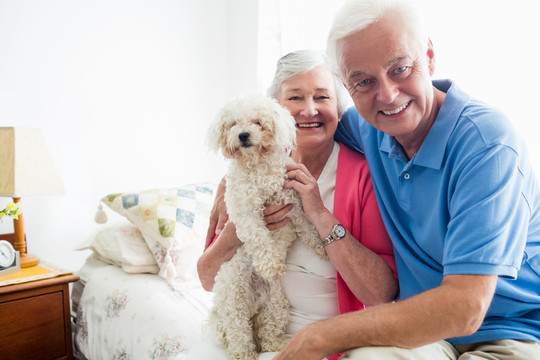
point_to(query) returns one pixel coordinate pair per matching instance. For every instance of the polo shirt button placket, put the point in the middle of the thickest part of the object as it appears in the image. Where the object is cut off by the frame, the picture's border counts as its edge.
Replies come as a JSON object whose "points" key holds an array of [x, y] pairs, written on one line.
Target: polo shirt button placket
{"points": [[404, 191]]}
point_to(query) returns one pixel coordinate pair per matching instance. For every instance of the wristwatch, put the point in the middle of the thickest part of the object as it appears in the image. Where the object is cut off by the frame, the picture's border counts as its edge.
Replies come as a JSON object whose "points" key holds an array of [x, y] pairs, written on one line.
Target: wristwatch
{"points": [[337, 233]]}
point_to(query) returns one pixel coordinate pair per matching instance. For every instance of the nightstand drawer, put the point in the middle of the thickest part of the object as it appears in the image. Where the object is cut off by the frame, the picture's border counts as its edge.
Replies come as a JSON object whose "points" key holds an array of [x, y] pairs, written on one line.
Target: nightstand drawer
{"points": [[35, 320], [40, 321]]}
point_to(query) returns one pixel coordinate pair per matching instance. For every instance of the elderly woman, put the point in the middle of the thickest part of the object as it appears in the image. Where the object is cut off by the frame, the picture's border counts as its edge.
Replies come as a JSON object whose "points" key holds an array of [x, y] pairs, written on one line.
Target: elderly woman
{"points": [[336, 191]]}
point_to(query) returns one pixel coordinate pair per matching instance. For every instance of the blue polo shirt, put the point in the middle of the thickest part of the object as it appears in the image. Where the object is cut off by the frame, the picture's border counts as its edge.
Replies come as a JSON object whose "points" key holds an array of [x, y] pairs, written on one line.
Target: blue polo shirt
{"points": [[466, 203]]}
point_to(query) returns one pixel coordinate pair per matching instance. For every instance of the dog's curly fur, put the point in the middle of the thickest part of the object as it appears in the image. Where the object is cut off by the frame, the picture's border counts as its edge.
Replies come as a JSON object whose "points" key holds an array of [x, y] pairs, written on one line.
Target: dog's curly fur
{"points": [[250, 310]]}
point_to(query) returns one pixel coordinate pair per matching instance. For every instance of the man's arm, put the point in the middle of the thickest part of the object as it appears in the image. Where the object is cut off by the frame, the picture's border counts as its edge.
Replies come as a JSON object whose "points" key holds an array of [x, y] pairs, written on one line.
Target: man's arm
{"points": [[456, 308]]}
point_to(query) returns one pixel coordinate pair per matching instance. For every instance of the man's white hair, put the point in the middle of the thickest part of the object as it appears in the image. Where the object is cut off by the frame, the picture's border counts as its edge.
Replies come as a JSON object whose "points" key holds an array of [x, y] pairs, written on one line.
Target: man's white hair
{"points": [[356, 15]]}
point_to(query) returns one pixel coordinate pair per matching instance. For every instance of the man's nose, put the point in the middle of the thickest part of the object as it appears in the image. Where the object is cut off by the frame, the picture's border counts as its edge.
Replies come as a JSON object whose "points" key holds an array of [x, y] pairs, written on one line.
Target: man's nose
{"points": [[387, 92]]}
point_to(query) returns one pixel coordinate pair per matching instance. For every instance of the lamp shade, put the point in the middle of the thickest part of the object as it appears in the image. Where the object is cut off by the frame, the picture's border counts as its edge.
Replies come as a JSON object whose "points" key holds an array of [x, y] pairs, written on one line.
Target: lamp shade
{"points": [[26, 167]]}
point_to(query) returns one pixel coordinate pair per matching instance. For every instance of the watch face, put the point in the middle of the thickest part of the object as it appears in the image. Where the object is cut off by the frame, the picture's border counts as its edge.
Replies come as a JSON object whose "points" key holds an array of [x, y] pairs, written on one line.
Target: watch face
{"points": [[7, 254], [340, 231]]}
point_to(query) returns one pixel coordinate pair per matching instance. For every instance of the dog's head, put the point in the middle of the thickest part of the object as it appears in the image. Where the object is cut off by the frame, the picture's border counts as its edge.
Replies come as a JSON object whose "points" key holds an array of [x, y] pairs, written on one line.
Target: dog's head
{"points": [[249, 128]]}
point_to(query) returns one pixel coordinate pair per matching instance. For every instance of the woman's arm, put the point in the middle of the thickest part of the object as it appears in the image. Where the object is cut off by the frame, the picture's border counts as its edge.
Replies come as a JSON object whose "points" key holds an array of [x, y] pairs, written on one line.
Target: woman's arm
{"points": [[218, 215], [222, 250], [366, 273]]}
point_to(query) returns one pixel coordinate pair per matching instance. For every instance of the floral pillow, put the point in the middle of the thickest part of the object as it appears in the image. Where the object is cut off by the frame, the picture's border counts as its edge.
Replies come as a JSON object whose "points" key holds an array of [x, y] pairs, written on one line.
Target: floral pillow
{"points": [[172, 221]]}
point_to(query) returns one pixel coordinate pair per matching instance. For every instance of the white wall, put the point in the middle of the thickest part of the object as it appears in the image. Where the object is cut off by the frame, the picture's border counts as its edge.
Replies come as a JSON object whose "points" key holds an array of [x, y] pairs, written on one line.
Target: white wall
{"points": [[490, 48], [123, 92]]}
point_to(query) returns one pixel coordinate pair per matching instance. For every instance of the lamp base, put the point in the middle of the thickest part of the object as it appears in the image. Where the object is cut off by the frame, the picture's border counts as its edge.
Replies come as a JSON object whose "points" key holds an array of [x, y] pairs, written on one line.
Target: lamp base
{"points": [[19, 244], [28, 260]]}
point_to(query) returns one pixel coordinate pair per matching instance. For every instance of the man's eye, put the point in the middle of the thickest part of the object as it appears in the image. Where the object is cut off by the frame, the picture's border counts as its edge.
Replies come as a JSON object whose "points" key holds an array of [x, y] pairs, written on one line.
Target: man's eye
{"points": [[401, 69], [362, 84]]}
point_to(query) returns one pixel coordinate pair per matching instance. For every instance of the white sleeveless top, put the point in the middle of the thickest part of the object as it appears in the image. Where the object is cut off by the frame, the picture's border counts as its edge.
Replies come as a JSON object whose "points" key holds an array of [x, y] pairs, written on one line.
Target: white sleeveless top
{"points": [[309, 282]]}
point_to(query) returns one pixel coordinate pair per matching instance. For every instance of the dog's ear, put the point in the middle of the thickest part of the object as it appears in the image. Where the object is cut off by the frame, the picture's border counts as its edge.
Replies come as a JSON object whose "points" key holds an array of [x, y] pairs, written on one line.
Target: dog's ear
{"points": [[286, 131], [215, 133]]}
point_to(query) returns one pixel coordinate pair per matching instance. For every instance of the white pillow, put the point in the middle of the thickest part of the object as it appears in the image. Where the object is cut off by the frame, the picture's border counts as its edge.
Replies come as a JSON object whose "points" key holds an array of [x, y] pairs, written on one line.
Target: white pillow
{"points": [[173, 223], [122, 244]]}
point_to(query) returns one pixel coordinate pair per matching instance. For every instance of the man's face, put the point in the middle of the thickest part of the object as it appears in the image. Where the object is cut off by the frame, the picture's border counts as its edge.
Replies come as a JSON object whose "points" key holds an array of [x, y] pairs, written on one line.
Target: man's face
{"points": [[388, 74]]}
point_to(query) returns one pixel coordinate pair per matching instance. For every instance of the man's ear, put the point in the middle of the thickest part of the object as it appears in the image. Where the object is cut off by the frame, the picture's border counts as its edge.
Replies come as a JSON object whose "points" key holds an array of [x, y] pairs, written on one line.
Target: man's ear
{"points": [[430, 57]]}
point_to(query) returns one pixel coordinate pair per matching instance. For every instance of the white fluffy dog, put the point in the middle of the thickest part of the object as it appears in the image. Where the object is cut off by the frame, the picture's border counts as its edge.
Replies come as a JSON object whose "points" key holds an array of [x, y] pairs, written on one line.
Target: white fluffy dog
{"points": [[250, 311]]}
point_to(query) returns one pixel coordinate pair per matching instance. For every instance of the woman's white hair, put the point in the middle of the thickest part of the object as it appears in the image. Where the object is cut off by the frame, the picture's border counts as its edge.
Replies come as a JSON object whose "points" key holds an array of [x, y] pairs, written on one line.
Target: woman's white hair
{"points": [[300, 62], [356, 15]]}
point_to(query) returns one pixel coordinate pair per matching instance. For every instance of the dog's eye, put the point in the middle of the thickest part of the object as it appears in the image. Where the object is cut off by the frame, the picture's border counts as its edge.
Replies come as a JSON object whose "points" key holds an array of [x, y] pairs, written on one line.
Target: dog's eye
{"points": [[257, 122]]}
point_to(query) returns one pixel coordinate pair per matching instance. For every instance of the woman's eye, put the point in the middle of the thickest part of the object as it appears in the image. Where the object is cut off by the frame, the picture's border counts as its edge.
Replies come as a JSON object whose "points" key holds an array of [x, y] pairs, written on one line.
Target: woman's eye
{"points": [[294, 98]]}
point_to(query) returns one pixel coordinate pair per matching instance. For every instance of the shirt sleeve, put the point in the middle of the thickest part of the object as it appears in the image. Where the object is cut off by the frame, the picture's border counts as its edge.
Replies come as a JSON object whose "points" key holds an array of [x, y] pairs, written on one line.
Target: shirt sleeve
{"points": [[487, 231], [348, 130]]}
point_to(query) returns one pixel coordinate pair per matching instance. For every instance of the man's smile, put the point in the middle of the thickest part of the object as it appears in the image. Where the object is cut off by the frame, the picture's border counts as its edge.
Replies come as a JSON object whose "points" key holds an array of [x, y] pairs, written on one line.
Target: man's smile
{"points": [[396, 111]]}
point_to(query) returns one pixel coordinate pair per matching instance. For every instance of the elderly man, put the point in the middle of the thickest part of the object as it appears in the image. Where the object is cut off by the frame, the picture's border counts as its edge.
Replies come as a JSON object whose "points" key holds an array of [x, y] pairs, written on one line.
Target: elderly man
{"points": [[457, 195]]}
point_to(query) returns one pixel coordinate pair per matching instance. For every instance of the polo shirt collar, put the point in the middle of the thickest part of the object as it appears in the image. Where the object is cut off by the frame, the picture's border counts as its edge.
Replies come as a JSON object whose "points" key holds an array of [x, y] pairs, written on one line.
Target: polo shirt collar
{"points": [[431, 153]]}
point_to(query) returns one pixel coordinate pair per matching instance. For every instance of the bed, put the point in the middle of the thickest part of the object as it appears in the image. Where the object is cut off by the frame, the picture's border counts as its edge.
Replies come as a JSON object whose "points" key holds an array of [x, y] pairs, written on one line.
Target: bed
{"points": [[139, 296]]}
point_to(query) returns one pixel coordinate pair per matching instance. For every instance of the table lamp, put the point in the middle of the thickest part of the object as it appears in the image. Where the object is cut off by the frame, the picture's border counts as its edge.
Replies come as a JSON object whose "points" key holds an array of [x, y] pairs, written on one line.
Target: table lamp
{"points": [[26, 169]]}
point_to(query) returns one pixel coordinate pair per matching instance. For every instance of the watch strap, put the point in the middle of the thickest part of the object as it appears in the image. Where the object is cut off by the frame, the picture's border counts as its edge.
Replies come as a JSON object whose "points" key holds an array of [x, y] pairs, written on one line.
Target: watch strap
{"points": [[333, 235]]}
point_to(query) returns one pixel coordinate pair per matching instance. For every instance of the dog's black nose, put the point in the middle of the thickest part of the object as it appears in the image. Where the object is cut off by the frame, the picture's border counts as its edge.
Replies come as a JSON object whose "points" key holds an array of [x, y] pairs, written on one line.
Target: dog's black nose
{"points": [[244, 137]]}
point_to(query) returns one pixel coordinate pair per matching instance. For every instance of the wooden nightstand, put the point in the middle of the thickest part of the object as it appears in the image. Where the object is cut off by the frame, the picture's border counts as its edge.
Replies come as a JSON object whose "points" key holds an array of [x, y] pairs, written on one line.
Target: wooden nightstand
{"points": [[35, 319]]}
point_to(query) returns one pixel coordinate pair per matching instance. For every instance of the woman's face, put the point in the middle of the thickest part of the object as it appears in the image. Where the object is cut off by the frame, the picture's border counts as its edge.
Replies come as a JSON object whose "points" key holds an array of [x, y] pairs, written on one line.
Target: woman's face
{"points": [[311, 99]]}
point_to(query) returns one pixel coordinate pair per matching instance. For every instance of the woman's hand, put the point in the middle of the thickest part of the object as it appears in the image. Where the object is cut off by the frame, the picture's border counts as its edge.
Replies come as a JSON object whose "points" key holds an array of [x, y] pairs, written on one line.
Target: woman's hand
{"points": [[275, 216], [301, 180]]}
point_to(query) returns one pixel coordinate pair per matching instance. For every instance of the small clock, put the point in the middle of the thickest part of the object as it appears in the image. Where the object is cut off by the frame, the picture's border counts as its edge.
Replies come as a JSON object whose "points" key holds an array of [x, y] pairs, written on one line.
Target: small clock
{"points": [[9, 259]]}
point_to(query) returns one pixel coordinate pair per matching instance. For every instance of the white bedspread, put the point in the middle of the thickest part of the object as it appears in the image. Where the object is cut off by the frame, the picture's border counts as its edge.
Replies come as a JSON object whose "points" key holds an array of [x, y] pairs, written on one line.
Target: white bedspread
{"points": [[136, 316]]}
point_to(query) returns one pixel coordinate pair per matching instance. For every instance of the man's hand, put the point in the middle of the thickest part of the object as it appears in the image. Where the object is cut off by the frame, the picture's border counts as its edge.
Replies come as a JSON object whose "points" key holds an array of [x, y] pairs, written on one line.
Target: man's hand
{"points": [[304, 345], [218, 215]]}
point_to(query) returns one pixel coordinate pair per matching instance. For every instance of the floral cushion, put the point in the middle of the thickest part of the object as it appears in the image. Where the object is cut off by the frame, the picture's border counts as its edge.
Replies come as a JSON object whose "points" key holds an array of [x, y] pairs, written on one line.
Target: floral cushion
{"points": [[172, 221]]}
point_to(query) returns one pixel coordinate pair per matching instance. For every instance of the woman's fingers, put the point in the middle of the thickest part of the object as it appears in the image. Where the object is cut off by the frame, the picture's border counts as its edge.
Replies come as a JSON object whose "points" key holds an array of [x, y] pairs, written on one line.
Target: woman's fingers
{"points": [[274, 214]]}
